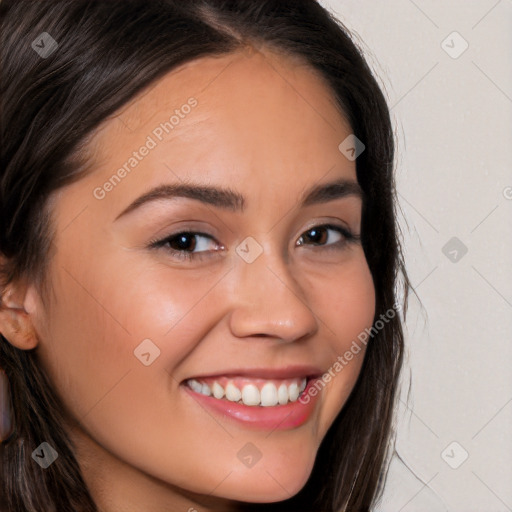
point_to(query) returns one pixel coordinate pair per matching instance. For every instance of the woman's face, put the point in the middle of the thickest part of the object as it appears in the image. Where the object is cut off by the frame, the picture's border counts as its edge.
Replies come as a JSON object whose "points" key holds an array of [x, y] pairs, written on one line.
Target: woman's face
{"points": [[257, 294]]}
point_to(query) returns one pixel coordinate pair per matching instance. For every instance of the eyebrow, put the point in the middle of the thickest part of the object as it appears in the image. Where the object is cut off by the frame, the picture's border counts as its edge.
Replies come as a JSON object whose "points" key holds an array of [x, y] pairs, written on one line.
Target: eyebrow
{"points": [[228, 199]]}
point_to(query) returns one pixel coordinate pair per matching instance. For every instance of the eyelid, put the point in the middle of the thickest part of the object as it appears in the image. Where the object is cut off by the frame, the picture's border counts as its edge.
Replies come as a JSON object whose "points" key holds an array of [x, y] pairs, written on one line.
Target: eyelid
{"points": [[345, 231], [160, 241], [329, 223]]}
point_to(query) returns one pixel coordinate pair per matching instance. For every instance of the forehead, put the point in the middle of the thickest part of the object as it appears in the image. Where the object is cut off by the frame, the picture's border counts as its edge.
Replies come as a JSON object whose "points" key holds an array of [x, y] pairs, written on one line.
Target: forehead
{"points": [[262, 120], [238, 85]]}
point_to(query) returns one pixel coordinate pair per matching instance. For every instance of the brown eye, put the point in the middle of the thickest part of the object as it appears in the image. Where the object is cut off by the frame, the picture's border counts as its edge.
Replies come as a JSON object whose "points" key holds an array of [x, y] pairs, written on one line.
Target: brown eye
{"points": [[319, 235], [183, 242], [187, 244]]}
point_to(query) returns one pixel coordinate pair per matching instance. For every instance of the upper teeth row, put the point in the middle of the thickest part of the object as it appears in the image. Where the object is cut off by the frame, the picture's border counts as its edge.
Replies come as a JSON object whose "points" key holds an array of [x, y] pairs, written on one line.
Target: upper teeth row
{"points": [[269, 394]]}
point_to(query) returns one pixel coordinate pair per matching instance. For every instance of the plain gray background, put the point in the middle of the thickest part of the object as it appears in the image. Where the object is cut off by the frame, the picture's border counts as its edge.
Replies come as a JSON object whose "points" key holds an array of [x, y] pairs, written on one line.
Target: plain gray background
{"points": [[452, 109]]}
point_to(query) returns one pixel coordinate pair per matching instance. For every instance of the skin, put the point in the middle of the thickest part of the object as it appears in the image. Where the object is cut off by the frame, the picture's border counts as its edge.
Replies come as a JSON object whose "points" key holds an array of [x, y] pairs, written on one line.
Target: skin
{"points": [[141, 442]]}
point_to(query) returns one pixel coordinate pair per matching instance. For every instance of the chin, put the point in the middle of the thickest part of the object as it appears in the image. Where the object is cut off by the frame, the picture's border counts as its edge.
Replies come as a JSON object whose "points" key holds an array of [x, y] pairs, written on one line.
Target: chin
{"points": [[269, 483]]}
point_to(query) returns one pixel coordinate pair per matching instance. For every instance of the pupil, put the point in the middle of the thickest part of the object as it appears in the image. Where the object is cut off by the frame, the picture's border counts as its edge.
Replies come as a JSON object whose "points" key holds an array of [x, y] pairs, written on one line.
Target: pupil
{"points": [[315, 235], [184, 241]]}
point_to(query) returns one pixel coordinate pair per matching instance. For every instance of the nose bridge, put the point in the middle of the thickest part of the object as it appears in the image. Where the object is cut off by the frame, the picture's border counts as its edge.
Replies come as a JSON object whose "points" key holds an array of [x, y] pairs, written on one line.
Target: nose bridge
{"points": [[267, 299]]}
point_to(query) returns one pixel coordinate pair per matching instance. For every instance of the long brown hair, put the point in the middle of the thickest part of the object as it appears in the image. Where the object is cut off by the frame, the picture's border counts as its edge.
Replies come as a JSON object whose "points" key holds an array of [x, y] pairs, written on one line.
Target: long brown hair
{"points": [[107, 52]]}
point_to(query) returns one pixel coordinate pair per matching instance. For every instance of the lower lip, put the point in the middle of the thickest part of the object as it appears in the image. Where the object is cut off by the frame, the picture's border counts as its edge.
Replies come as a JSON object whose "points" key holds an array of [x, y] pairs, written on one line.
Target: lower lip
{"points": [[277, 417]]}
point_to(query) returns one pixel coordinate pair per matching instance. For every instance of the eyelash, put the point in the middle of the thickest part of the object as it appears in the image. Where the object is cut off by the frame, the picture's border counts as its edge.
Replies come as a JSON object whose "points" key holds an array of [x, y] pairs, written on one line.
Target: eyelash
{"points": [[349, 237]]}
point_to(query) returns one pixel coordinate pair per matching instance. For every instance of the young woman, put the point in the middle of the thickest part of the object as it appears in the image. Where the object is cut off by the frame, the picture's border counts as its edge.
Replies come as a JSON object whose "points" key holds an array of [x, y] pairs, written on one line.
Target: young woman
{"points": [[199, 259]]}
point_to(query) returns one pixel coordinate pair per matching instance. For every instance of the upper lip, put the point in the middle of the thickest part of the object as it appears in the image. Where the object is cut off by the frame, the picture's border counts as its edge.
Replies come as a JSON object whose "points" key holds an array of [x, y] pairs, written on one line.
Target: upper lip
{"points": [[286, 372]]}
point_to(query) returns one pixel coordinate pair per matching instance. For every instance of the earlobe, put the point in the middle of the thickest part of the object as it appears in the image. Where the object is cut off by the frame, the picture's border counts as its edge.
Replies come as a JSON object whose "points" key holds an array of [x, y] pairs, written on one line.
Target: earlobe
{"points": [[16, 320]]}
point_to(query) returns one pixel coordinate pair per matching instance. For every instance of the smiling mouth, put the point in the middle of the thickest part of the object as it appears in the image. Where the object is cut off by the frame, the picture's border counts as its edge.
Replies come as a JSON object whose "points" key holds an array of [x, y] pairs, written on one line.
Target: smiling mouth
{"points": [[250, 391]]}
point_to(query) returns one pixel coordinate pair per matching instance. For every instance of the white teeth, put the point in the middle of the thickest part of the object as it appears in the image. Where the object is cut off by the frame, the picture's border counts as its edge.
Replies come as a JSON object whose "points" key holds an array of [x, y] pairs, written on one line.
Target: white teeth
{"points": [[205, 390], [218, 390], [293, 391], [250, 395], [195, 385], [282, 394], [269, 395], [233, 393]]}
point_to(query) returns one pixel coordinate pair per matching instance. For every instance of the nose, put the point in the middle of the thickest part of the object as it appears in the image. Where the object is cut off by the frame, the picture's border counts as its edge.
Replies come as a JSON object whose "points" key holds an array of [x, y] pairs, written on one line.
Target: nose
{"points": [[268, 301]]}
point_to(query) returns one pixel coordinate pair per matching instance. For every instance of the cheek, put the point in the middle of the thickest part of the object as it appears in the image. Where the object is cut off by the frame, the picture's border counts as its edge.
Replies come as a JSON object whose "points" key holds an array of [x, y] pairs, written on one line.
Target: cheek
{"points": [[346, 307], [100, 317], [98, 321], [345, 300]]}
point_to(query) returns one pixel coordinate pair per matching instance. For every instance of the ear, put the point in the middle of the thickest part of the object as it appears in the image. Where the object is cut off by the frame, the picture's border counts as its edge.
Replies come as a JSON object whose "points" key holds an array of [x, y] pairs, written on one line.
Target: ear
{"points": [[17, 310]]}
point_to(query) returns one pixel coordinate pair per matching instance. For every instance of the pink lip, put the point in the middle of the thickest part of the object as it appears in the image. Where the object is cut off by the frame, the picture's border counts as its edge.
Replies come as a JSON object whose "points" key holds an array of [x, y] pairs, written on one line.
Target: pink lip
{"points": [[288, 372], [278, 417]]}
